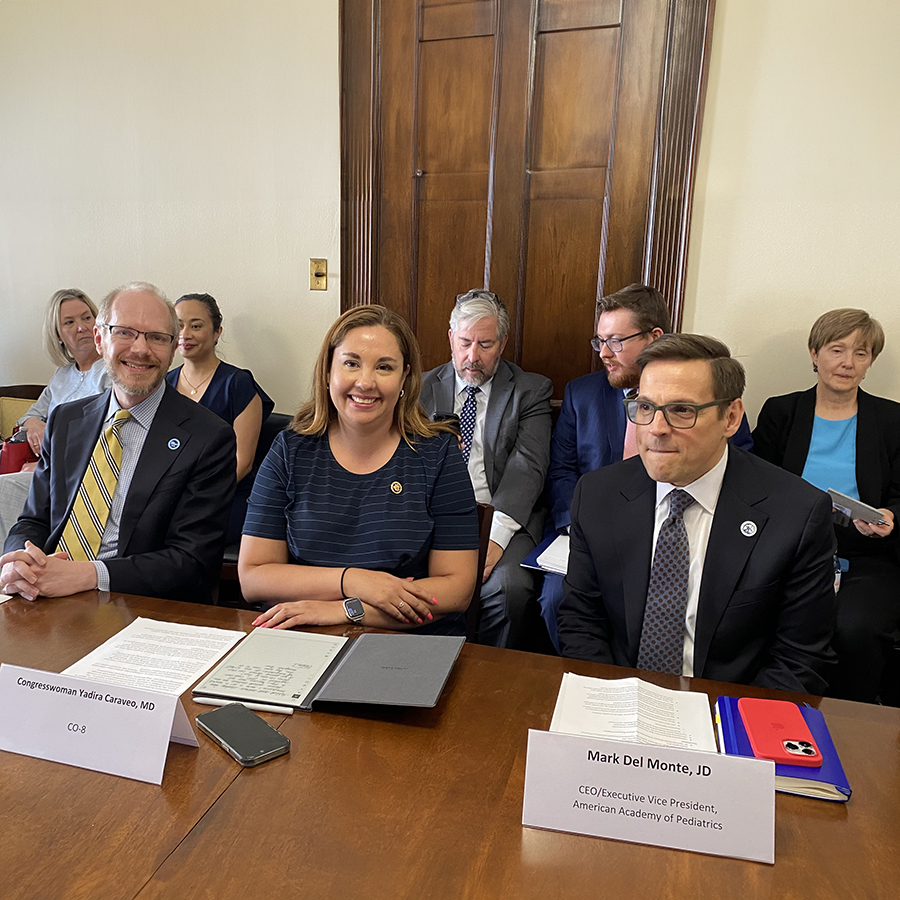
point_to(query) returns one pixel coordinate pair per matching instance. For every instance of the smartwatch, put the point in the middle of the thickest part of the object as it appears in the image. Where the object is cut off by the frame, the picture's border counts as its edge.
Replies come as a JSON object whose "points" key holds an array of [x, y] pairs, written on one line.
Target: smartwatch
{"points": [[354, 608]]}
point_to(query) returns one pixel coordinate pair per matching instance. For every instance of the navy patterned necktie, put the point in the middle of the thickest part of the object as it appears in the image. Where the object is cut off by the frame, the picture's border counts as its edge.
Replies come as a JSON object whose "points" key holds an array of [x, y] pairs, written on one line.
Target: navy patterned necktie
{"points": [[467, 419], [662, 634]]}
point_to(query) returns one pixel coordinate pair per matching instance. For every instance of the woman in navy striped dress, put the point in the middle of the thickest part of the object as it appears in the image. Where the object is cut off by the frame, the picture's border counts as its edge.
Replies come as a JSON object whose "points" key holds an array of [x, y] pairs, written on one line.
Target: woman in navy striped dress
{"points": [[363, 497]]}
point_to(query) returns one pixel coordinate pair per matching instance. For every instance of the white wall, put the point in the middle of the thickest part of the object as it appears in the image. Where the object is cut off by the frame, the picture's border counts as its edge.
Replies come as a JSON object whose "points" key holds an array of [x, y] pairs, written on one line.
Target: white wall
{"points": [[195, 143], [797, 206], [191, 143]]}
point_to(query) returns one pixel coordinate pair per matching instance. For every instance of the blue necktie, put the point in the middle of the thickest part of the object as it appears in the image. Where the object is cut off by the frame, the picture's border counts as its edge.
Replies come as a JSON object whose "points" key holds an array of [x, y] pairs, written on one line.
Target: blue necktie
{"points": [[467, 420], [662, 634]]}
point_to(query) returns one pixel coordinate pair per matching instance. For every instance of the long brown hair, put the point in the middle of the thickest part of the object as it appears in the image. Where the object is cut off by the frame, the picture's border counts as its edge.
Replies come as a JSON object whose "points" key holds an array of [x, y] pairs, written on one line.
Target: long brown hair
{"points": [[317, 413]]}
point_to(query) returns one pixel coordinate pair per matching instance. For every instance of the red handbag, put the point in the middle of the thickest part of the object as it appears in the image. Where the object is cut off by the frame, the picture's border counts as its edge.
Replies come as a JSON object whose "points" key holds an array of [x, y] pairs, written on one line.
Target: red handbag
{"points": [[14, 455]]}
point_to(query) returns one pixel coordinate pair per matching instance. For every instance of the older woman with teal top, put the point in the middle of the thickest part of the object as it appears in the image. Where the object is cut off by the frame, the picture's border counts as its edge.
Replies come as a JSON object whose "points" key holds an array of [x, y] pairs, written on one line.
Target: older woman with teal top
{"points": [[837, 436]]}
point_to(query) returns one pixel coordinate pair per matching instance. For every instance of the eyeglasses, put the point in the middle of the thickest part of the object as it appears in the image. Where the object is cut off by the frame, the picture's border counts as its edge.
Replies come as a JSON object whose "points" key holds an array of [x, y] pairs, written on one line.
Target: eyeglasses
{"points": [[477, 294], [678, 415], [129, 335], [615, 344]]}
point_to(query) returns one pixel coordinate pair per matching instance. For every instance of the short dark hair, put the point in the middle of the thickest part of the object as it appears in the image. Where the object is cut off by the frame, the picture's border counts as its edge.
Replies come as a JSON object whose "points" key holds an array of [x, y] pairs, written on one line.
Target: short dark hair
{"points": [[645, 303], [211, 307], [728, 376], [837, 324]]}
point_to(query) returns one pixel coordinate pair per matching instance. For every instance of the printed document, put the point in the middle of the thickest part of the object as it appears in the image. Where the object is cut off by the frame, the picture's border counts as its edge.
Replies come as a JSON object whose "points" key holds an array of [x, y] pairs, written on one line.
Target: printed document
{"points": [[556, 557], [628, 709], [156, 656]]}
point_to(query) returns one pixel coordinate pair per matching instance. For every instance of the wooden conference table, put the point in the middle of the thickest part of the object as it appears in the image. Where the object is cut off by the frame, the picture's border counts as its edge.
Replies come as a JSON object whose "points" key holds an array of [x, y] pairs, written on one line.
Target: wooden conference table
{"points": [[395, 803]]}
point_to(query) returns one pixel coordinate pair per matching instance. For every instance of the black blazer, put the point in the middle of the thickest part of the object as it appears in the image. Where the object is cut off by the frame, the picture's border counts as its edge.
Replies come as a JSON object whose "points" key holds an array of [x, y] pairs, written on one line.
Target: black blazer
{"points": [[173, 524], [766, 605], [782, 435]]}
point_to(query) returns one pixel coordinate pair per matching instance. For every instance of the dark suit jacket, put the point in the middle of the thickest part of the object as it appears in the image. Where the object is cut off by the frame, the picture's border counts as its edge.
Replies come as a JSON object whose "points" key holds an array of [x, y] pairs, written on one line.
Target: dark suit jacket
{"points": [[766, 605], [782, 435], [173, 524], [590, 433], [516, 435]]}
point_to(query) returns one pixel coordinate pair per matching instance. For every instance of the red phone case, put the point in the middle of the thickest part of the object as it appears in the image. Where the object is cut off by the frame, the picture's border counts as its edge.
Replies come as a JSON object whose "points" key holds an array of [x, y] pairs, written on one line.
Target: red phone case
{"points": [[769, 723]]}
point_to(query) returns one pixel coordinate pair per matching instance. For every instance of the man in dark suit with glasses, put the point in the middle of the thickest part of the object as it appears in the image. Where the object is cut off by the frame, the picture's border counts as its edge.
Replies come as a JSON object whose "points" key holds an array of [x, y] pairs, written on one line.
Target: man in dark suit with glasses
{"points": [[694, 557]]}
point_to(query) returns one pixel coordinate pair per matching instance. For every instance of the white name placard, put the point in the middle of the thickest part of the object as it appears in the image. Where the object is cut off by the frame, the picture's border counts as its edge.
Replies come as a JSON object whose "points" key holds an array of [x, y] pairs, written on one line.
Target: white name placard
{"points": [[683, 799], [108, 728]]}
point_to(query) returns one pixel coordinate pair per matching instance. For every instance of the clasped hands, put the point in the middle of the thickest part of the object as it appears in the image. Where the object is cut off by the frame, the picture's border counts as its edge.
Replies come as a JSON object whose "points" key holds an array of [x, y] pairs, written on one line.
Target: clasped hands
{"points": [[31, 573], [401, 599]]}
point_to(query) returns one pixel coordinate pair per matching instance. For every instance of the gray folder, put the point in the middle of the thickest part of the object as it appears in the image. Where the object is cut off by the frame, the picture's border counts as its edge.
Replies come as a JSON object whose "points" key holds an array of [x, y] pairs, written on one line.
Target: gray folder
{"points": [[392, 669]]}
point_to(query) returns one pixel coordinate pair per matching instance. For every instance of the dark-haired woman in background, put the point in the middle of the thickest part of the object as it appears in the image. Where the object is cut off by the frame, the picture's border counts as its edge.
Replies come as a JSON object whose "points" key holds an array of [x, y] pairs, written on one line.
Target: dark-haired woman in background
{"points": [[837, 436], [363, 498], [231, 393]]}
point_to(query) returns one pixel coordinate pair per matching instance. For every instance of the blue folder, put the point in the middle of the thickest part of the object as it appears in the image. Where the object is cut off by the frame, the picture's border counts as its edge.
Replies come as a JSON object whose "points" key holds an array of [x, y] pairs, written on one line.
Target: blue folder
{"points": [[825, 782]]}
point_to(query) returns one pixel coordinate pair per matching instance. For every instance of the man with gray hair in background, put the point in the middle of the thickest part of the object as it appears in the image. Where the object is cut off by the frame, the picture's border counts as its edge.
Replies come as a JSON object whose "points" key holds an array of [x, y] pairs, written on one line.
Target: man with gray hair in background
{"points": [[133, 488], [504, 416]]}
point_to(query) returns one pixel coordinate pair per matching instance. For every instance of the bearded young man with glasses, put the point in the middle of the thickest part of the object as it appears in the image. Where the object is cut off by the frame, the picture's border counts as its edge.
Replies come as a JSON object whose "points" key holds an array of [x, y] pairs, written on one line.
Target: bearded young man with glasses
{"points": [[695, 557], [592, 429], [133, 489]]}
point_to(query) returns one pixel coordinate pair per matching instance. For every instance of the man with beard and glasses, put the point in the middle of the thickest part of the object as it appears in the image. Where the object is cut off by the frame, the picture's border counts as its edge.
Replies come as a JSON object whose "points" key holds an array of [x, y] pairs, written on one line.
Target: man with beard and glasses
{"points": [[504, 415], [592, 430], [134, 486]]}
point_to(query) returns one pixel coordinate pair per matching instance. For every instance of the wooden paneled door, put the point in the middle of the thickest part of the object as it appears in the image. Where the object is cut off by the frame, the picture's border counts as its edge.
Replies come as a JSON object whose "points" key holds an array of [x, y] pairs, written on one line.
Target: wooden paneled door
{"points": [[541, 148]]}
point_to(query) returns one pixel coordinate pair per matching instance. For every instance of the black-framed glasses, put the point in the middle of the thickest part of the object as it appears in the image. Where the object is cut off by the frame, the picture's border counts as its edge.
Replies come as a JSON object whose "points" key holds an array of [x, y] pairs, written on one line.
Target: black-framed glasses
{"points": [[129, 335], [678, 415], [615, 344]]}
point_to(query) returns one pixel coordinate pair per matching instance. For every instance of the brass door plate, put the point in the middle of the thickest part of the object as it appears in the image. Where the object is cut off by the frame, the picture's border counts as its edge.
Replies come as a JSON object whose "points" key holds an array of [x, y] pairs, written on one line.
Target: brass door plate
{"points": [[318, 274]]}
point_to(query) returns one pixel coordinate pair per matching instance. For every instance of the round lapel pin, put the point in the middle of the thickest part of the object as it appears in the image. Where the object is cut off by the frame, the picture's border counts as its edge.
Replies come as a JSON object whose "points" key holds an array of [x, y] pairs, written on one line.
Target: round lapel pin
{"points": [[174, 444], [748, 528], [396, 487]]}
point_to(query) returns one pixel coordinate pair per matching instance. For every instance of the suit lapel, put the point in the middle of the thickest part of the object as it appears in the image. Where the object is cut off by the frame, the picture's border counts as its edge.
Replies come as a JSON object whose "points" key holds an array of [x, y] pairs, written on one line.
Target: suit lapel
{"points": [[868, 451], [444, 389], [80, 440], [634, 540], [616, 435], [501, 394], [164, 444], [728, 549], [797, 448]]}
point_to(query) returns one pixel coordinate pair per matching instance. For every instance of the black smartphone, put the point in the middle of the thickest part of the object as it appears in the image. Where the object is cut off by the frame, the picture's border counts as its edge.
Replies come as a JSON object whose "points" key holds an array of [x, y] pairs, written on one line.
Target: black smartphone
{"points": [[448, 418], [241, 733]]}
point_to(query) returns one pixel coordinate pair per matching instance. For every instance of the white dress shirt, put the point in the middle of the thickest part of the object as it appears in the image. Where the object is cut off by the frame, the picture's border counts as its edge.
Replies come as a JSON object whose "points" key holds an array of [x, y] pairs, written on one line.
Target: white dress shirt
{"points": [[698, 519], [503, 527]]}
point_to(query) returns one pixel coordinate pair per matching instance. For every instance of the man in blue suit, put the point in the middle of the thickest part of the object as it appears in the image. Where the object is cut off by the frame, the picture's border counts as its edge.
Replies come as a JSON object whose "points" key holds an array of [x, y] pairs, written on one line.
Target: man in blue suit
{"points": [[591, 429]]}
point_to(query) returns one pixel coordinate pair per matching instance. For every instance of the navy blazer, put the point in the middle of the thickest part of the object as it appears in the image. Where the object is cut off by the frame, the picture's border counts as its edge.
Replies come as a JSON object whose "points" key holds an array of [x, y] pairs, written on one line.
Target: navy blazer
{"points": [[516, 435], [766, 606], [590, 433], [173, 523], [782, 435]]}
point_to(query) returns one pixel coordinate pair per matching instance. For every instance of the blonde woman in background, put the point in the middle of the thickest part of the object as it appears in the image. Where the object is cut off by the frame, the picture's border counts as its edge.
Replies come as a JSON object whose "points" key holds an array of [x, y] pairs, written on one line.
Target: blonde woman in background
{"points": [[69, 342]]}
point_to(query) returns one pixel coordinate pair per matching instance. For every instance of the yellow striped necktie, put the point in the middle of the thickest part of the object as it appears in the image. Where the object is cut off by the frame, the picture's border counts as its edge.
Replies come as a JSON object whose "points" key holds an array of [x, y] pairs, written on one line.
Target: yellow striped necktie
{"points": [[84, 530]]}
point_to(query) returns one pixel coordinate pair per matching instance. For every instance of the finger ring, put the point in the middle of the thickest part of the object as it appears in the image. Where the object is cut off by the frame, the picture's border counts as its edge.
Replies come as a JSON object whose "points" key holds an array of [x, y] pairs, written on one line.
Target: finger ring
{"points": [[400, 605]]}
